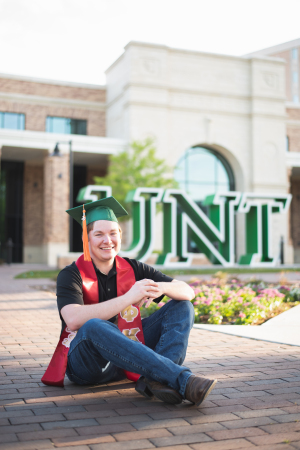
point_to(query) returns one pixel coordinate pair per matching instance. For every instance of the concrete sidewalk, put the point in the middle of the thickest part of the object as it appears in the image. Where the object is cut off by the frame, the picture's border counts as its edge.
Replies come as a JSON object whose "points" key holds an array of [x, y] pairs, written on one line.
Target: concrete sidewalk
{"points": [[285, 332]]}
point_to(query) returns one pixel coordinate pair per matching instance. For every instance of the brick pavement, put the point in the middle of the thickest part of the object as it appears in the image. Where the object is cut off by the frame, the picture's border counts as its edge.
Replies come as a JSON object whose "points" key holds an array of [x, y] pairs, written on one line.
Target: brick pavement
{"points": [[256, 403]]}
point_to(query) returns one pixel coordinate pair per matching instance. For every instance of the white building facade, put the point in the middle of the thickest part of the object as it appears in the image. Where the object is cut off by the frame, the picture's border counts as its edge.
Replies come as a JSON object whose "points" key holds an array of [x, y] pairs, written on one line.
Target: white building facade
{"points": [[235, 107]]}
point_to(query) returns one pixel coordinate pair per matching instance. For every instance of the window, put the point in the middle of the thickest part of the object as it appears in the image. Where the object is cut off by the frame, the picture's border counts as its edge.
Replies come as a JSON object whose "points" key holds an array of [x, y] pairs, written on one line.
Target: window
{"points": [[12, 121], [295, 98], [201, 172], [295, 54], [295, 77], [287, 144], [65, 126]]}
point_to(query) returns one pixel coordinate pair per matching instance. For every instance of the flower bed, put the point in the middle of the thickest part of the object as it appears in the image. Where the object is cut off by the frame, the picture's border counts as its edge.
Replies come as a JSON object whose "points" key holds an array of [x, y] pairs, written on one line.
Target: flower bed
{"points": [[233, 302]]}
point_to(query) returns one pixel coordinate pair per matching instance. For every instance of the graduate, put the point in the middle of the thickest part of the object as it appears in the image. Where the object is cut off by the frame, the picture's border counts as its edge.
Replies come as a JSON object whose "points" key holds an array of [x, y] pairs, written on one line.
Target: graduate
{"points": [[103, 337]]}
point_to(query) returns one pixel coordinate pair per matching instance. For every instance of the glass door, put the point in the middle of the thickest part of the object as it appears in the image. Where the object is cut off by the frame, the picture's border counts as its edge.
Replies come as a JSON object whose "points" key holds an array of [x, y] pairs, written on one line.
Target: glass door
{"points": [[11, 209]]}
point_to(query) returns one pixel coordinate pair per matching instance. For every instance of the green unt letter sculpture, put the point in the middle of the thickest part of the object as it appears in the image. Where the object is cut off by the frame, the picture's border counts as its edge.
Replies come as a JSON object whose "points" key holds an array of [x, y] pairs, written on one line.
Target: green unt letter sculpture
{"points": [[214, 233]]}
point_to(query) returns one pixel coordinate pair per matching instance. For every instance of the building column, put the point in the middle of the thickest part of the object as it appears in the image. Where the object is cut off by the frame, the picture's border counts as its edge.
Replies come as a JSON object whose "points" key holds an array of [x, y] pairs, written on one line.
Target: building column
{"points": [[295, 214], [268, 142], [56, 201], [289, 254], [33, 215]]}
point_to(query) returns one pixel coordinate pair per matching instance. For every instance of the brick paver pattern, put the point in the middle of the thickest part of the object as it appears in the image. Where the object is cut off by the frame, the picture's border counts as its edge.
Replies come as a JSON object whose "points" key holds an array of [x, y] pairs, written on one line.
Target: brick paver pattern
{"points": [[256, 403]]}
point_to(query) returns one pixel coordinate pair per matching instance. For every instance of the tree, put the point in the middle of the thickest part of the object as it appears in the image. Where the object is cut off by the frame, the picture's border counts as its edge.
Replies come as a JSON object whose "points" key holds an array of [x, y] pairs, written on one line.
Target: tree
{"points": [[137, 166]]}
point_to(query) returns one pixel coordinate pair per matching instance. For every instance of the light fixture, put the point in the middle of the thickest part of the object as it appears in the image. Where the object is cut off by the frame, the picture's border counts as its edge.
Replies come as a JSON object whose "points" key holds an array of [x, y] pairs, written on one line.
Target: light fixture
{"points": [[56, 151]]}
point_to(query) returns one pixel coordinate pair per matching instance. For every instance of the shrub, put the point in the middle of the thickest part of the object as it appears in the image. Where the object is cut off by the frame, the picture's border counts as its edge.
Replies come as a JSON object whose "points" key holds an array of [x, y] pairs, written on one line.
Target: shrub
{"points": [[232, 302]]}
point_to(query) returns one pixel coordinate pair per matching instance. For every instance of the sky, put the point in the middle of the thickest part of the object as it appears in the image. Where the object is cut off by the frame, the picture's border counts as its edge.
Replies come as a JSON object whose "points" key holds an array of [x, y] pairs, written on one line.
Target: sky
{"points": [[77, 40]]}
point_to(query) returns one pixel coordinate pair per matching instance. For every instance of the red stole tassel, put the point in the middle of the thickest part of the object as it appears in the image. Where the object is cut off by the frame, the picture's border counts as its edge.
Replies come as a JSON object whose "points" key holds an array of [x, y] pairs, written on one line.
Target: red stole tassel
{"points": [[129, 320], [85, 238]]}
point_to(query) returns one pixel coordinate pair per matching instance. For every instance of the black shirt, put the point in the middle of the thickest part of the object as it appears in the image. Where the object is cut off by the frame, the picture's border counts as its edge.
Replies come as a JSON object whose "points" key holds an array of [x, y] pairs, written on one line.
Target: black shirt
{"points": [[69, 284]]}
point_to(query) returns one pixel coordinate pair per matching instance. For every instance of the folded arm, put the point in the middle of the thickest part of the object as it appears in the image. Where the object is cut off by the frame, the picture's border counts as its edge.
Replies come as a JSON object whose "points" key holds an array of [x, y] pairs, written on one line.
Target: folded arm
{"points": [[177, 290], [77, 315]]}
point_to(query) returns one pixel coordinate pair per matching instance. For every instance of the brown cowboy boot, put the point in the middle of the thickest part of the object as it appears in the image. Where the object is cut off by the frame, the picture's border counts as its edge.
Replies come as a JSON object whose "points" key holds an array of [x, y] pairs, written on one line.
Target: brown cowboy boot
{"points": [[161, 391], [198, 388], [142, 388]]}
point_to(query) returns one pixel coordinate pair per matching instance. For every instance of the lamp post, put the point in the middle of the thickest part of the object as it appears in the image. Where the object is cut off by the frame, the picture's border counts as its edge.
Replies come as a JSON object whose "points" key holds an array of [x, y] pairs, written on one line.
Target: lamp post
{"points": [[56, 152]]}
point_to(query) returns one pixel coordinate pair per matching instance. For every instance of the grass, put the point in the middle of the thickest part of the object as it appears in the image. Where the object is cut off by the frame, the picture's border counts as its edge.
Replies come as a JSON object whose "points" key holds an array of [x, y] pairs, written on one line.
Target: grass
{"points": [[39, 274], [209, 271], [232, 270]]}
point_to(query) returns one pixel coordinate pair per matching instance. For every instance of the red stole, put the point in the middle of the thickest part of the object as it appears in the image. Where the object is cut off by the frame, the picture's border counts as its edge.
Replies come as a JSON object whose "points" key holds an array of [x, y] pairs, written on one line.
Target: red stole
{"points": [[129, 320]]}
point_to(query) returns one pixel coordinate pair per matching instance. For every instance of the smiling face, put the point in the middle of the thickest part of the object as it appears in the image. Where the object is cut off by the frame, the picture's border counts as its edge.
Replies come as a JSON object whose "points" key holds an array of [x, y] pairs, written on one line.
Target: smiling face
{"points": [[104, 241]]}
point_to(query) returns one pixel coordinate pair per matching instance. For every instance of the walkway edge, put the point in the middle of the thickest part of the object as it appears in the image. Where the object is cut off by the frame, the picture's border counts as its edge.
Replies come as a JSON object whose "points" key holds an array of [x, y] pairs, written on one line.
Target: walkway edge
{"points": [[287, 335]]}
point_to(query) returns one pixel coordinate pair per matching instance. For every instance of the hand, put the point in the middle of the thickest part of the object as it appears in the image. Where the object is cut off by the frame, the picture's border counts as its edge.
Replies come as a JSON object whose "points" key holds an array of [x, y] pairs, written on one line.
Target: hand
{"points": [[146, 300], [143, 290], [161, 291]]}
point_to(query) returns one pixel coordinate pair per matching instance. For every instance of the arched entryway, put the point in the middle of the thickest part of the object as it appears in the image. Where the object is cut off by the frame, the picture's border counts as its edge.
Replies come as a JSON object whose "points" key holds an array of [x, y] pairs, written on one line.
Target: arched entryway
{"points": [[203, 171], [200, 172]]}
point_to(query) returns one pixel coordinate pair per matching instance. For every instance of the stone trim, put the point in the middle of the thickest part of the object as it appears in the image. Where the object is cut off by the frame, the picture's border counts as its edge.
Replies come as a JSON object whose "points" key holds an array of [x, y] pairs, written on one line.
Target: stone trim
{"points": [[60, 102], [54, 82]]}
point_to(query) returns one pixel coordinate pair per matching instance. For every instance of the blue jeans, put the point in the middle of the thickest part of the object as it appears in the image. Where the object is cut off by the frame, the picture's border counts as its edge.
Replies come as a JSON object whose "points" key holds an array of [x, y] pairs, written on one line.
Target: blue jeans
{"points": [[100, 350]]}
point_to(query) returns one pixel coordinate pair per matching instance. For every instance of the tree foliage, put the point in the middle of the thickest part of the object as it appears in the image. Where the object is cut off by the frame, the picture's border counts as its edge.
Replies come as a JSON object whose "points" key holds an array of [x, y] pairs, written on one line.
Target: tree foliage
{"points": [[137, 166]]}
